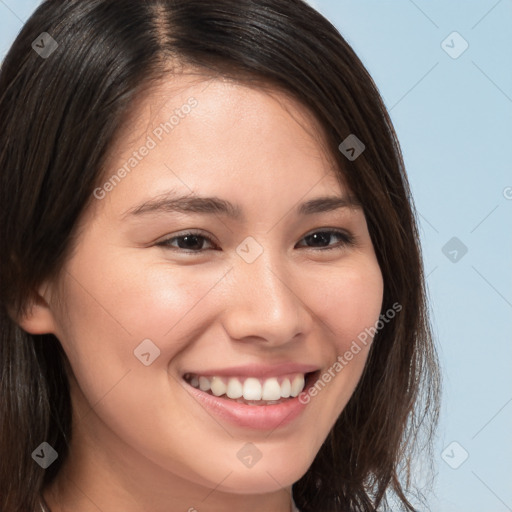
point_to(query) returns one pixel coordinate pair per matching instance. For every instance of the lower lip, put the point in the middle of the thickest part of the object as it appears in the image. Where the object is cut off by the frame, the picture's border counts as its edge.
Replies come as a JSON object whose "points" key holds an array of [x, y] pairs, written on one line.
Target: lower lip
{"points": [[258, 417]]}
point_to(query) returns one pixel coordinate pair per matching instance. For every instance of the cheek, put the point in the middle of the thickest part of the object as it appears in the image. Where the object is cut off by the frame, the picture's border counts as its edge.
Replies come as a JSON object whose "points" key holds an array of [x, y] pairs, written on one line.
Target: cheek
{"points": [[108, 311], [352, 305], [353, 300], [116, 306]]}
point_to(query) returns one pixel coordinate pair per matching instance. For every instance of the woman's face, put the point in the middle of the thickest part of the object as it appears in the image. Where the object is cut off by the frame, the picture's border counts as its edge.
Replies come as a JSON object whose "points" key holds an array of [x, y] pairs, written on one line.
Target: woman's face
{"points": [[249, 304]]}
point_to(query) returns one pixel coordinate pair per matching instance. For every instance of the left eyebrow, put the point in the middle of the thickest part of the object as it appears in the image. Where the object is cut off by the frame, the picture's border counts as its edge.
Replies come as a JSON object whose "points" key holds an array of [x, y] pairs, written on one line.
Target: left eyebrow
{"points": [[168, 203]]}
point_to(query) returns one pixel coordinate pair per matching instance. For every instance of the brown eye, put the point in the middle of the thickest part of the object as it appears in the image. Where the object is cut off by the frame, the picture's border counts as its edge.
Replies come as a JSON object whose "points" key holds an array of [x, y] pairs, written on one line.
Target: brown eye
{"points": [[189, 242], [323, 238]]}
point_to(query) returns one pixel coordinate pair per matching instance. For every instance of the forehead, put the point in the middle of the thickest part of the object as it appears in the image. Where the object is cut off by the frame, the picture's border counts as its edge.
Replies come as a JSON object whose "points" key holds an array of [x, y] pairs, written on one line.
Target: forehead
{"points": [[219, 102], [216, 135]]}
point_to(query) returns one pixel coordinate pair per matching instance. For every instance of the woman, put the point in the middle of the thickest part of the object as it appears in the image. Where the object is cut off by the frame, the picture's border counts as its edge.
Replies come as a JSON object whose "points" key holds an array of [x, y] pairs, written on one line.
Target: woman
{"points": [[284, 359]]}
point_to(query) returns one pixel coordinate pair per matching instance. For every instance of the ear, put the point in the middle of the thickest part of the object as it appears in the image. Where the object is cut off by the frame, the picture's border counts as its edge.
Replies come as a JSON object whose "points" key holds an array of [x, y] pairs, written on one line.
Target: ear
{"points": [[38, 317]]}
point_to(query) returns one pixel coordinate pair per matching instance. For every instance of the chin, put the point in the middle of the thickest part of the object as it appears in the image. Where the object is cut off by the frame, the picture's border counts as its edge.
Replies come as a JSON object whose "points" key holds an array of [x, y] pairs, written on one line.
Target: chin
{"points": [[265, 477]]}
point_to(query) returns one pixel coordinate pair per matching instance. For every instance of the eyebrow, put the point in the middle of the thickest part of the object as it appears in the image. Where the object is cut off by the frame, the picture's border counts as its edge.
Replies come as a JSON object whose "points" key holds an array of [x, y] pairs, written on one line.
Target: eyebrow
{"points": [[170, 203]]}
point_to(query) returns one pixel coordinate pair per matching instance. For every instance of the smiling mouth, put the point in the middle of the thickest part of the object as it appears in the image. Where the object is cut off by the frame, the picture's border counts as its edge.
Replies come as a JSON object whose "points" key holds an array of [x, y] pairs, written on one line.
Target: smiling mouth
{"points": [[251, 390]]}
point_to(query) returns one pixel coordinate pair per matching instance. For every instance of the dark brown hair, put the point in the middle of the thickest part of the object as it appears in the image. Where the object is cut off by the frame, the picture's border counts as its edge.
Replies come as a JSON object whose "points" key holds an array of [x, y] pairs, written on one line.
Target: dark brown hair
{"points": [[60, 115]]}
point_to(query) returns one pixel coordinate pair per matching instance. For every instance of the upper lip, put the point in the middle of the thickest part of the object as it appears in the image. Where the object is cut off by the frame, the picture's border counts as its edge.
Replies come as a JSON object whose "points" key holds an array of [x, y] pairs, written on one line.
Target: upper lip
{"points": [[257, 370]]}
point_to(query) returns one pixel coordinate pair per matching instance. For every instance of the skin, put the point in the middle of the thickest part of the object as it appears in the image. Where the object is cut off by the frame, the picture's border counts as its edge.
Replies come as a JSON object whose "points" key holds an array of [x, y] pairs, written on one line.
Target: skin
{"points": [[140, 440]]}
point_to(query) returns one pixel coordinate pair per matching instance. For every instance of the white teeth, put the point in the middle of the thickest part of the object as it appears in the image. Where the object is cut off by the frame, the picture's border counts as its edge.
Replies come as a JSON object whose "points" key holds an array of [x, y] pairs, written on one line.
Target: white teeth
{"points": [[269, 390], [235, 388], [204, 383], [297, 385], [252, 389], [286, 388], [218, 386]]}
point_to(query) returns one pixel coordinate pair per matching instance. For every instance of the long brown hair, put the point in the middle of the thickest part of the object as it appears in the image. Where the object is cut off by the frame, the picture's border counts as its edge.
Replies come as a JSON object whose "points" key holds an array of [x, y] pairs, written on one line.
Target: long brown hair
{"points": [[60, 113]]}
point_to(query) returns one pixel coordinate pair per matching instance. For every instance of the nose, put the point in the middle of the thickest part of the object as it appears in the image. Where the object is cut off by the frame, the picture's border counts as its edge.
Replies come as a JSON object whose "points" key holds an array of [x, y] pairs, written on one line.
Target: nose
{"points": [[265, 304]]}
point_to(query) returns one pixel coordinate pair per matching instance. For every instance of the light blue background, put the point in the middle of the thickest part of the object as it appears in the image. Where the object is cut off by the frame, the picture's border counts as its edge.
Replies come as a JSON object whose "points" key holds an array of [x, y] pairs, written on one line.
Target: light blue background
{"points": [[454, 121]]}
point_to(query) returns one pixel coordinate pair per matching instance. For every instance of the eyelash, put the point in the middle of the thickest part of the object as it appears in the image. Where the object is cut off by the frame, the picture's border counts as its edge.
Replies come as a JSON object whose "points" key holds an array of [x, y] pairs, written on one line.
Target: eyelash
{"points": [[346, 240]]}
